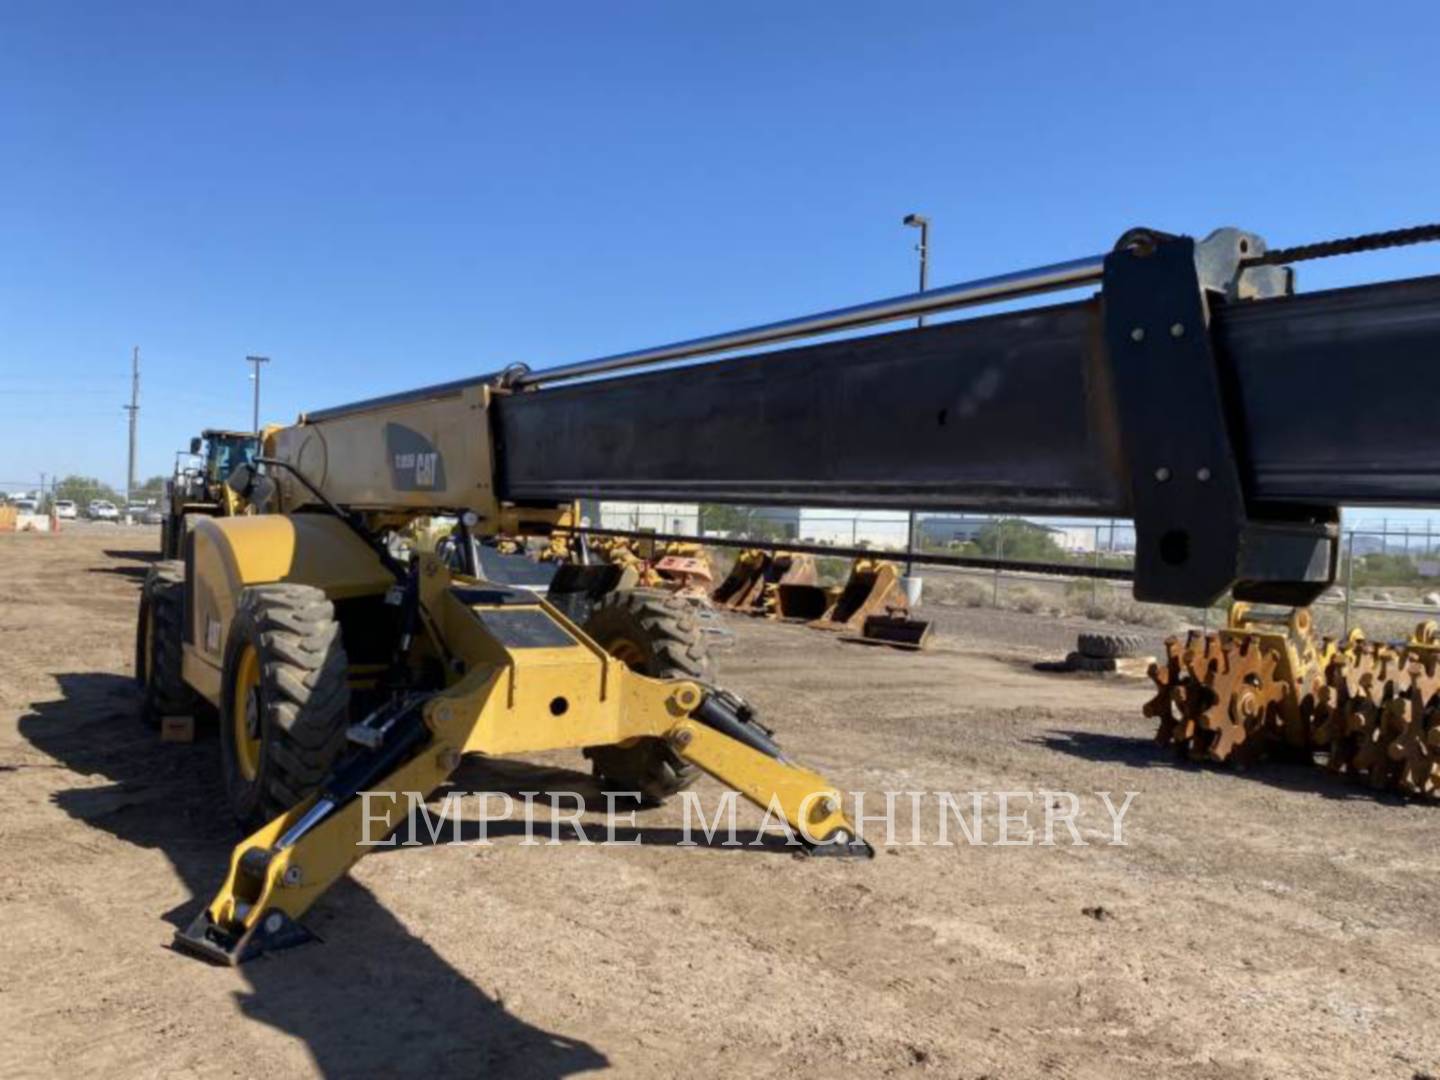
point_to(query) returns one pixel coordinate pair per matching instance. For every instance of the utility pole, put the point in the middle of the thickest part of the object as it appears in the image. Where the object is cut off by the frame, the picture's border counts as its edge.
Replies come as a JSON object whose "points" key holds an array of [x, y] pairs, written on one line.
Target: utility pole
{"points": [[134, 410], [921, 222], [257, 361]]}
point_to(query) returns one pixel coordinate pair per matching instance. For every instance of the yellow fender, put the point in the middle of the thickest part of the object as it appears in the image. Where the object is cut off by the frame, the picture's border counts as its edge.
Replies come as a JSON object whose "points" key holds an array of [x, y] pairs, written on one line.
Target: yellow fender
{"points": [[228, 554]]}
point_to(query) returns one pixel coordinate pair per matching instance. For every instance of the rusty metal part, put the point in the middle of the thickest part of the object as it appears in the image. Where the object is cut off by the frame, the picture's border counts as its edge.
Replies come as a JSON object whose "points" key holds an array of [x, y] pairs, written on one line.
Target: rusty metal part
{"points": [[1239, 698], [1365, 728], [1256, 687], [1171, 703], [685, 569], [1264, 685]]}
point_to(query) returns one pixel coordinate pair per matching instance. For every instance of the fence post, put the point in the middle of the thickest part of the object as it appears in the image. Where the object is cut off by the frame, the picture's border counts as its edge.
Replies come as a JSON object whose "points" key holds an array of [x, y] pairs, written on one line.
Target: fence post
{"points": [[999, 554], [1095, 581], [1349, 580]]}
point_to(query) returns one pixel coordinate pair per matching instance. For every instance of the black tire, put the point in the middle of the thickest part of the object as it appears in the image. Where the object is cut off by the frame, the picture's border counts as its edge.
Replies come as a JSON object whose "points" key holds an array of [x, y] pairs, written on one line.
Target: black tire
{"points": [[1109, 646], [158, 645], [1080, 662], [656, 634], [298, 704]]}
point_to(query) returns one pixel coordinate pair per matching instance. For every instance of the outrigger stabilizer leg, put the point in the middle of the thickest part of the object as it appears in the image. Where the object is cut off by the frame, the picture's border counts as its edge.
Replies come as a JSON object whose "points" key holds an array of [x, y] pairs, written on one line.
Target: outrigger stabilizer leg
{"points": [[278, 872]]}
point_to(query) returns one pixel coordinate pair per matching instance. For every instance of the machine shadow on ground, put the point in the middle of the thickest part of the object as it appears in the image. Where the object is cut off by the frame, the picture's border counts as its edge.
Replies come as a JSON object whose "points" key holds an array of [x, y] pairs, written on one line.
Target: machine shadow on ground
{"points": [[379, 1001], [1143, 753], [124, 567]]}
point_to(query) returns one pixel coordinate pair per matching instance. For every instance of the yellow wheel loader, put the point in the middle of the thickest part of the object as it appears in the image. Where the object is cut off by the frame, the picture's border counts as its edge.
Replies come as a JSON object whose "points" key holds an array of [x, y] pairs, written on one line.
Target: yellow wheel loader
{"points": [[199, 489]]}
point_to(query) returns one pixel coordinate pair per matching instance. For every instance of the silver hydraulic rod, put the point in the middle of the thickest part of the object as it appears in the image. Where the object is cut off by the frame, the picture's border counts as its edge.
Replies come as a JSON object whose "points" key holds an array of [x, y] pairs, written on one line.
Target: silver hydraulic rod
{"points": [[1041, 279], [1018, 283]]}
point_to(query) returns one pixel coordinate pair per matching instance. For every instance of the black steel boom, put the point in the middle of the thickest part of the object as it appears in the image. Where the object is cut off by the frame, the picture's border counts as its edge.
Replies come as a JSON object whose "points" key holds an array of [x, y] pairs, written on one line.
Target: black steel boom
{"points": [[1230, 422]]}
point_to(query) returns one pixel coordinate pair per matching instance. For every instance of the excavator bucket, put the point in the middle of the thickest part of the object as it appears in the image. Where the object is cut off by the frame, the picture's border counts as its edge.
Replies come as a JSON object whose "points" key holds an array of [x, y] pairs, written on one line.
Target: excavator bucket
{"points": [[803, 602], [759, 577], [895, 628], [787, 570], [873, 585], [742, 586]]}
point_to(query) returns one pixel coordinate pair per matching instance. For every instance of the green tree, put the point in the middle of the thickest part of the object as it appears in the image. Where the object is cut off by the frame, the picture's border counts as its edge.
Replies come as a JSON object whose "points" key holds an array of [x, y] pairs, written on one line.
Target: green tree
{"points": [[82, 489], [742, 521], [151, 489], [1015, 538], [1385, 568]]}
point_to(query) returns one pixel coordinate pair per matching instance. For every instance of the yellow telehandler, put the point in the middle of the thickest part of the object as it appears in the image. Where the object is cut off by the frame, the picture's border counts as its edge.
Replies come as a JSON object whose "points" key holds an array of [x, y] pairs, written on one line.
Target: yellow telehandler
{"points": [[340, 662], [337, 663]]}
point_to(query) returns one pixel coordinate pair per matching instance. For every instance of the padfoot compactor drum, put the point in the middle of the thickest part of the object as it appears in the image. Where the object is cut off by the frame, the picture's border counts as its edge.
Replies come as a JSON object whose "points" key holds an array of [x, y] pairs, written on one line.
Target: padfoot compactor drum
{"points": [[1264, 688]]}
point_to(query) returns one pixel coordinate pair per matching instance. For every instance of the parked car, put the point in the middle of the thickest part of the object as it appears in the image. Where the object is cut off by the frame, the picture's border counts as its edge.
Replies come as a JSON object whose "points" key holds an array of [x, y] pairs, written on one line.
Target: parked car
{"points": [[65, 508], [152, 516], [104, 510], [26, 506]]}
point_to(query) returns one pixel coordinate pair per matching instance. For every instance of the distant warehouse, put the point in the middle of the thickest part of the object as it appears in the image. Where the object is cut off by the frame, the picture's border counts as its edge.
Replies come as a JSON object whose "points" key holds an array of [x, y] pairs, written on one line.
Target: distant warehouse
{"points": [[880, 529]]}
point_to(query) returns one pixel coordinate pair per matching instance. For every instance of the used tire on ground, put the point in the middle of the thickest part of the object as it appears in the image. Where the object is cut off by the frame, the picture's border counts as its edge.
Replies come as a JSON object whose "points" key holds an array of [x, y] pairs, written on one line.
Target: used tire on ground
{"points": [[1079, 662], [1109, 646], [158, 644], [656, 634], [284, 699]]}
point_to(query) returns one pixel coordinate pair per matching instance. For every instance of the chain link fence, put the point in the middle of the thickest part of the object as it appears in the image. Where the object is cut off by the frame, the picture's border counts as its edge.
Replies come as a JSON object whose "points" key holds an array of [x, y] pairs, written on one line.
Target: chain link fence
{"points": [[1388, 579]]}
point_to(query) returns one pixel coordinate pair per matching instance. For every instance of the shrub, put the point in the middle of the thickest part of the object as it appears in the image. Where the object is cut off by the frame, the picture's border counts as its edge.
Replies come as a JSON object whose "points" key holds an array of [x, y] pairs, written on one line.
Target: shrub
{"points": [[1029, 601]]}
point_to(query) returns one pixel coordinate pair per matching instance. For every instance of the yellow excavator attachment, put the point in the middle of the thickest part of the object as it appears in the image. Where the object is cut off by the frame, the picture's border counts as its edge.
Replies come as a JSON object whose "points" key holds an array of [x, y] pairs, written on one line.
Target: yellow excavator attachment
{"points": [[872, 586], [758, 575]]}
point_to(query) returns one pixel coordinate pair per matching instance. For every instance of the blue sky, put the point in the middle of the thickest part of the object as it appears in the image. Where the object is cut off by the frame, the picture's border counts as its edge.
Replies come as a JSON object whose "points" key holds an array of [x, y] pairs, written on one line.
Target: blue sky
{"points": [[379, 202]]}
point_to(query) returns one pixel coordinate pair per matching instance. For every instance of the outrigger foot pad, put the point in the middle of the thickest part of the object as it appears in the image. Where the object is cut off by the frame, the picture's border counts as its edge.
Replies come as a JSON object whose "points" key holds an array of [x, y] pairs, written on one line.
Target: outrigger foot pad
{"points": [[840, 845], [210, 941]]}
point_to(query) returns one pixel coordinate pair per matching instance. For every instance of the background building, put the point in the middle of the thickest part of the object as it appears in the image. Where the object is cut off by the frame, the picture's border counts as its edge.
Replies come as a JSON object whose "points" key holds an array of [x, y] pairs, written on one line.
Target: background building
{"points": [[656, 517]]}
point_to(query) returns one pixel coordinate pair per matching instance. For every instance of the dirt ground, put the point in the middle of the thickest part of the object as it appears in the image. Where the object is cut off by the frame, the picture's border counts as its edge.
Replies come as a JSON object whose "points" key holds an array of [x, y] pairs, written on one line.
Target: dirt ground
{"points": [[1270, 924]]}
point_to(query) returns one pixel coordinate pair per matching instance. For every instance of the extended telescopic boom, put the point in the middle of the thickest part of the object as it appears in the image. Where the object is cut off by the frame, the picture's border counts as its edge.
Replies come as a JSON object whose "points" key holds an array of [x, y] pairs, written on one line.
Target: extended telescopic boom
{"points": [[1193, 392]]}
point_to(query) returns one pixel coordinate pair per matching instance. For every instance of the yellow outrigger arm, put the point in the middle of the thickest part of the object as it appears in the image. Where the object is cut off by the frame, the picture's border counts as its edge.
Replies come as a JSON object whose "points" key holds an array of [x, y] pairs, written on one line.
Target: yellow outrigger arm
{"points": [[532, 681]]}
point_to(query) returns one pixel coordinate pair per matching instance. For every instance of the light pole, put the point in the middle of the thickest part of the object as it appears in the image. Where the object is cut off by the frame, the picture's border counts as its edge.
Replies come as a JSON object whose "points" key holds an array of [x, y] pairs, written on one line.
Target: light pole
{"points": [[257, 361], [921, 222]]}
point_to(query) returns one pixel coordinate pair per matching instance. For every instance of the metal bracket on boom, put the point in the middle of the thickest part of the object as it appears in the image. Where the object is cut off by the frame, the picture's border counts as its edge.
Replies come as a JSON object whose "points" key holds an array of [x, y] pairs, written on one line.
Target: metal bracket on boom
{"points": [[1195, 536]]}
